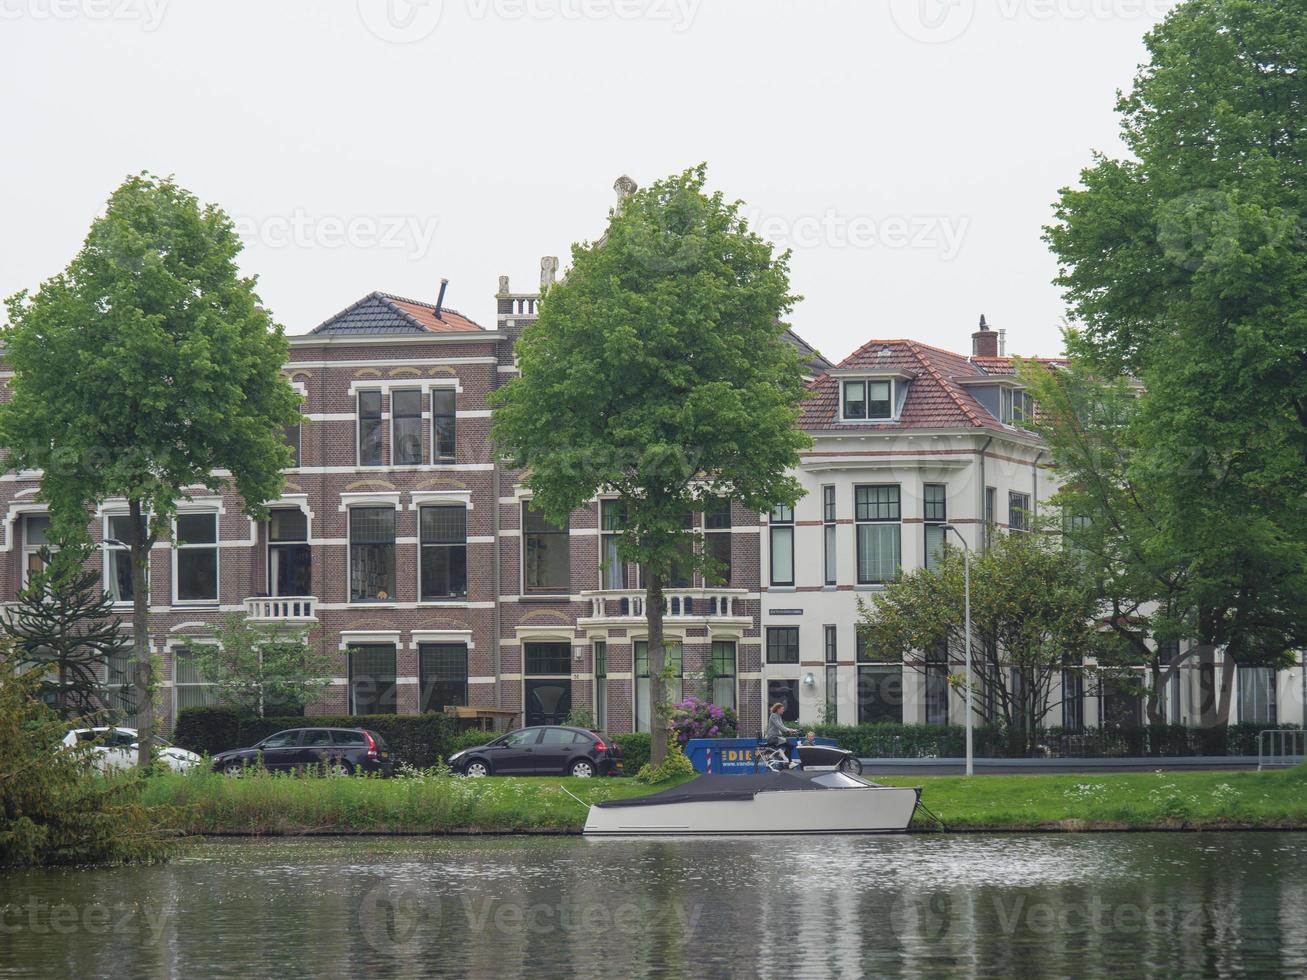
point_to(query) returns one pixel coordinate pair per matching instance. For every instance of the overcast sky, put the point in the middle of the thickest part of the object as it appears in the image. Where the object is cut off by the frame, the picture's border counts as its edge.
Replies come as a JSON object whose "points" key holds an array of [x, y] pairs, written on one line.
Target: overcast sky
{"points": [[909, 151]]}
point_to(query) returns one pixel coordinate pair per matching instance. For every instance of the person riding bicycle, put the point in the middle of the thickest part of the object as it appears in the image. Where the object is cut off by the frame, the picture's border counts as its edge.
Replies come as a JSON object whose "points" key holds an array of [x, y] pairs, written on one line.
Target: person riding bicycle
{"points": [[776, 730]]}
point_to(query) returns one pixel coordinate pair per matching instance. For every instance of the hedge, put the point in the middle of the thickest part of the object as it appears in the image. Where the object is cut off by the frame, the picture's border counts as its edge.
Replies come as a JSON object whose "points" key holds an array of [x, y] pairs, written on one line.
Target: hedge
{"points": [[419, 740]]}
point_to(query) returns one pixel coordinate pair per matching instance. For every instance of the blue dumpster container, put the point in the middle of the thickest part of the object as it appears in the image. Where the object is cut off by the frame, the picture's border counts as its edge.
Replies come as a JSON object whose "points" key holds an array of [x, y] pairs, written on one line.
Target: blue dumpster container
{"points": [[732, 756]]}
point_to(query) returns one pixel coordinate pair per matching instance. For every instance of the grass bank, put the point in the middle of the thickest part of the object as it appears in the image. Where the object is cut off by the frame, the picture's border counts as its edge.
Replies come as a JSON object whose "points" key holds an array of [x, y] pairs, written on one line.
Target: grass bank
{"points": [[263, 804]]}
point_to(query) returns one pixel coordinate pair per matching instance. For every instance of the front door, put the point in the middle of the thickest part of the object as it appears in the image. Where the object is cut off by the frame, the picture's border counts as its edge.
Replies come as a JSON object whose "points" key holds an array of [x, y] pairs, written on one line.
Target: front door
{"points": [[548, 702]]}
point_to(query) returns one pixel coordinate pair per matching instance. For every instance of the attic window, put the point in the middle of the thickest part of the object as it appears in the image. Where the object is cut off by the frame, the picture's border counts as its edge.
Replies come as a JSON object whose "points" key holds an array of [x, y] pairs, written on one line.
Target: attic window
{"points": [[867, 400]]}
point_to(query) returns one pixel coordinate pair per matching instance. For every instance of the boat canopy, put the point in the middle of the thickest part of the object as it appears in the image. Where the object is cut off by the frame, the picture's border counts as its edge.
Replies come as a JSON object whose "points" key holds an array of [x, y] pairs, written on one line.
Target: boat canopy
{"points": [[717, 788]]}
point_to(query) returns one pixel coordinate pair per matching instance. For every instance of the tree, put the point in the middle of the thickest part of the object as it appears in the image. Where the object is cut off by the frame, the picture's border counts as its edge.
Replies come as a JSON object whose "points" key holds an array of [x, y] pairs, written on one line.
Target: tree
{"points": [[1033, 615], [52, 810], [140, 372], [1186, 267], [257, 668], [64, 626], [658, 372]]}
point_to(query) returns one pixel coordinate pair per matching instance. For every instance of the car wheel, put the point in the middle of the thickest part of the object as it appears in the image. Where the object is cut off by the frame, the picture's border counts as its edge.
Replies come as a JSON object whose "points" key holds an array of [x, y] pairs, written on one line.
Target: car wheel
{"points": [[851, 765], [233, 769], [339, 767], [583, 769], [476, 769]]}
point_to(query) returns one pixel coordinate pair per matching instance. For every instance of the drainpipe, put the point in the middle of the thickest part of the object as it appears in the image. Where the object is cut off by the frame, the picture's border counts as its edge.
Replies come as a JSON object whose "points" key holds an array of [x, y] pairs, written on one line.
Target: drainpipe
{"points": [[494, 570], [981, 511], [1034, 486]]}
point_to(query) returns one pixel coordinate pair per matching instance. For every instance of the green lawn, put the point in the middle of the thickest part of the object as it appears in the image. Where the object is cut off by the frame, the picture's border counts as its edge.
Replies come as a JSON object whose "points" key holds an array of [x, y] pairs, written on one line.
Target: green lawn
{"points": [[1111, 801], [261, 804]]}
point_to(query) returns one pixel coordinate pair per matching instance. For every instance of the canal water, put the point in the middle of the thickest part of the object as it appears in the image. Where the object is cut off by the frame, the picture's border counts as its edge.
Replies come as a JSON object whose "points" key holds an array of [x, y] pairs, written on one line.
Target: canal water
{"points": [[1116, 905]]}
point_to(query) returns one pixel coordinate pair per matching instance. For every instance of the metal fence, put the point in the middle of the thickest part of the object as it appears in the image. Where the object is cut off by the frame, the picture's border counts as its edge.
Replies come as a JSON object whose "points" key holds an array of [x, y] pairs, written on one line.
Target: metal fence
{"points": [[1278, 748]]}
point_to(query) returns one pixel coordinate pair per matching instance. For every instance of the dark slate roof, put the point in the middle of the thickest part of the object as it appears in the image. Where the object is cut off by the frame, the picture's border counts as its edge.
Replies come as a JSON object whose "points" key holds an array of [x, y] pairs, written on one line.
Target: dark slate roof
{"points": [[937, 396], [816, 363], [383, 313]]}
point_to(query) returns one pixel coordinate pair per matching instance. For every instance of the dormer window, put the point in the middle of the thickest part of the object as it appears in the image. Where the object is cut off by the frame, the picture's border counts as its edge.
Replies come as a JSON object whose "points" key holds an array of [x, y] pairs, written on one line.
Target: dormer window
{"points": [[868, 400], [1005, 405]]}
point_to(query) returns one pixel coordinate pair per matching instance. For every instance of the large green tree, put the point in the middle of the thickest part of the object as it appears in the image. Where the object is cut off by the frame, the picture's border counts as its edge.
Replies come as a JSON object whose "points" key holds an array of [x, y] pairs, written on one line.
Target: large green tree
{"points": [[263, 669], [1033, 614], [1186, 264], [658, 371], [144, 370]]}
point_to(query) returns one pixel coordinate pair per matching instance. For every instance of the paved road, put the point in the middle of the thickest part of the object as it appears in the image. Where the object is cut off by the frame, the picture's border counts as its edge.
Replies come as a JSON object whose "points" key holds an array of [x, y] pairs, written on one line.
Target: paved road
{"points": [[996, 767]]}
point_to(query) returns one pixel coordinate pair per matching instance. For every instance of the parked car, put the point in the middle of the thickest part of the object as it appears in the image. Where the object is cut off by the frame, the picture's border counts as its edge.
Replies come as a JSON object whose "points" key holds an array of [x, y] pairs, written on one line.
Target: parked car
{"points": [[335, 751], [542, 750], [117, 748]]}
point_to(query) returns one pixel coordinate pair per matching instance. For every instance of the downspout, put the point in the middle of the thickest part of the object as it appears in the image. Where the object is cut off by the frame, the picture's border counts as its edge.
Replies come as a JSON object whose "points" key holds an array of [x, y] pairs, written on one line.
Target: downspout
{"points": [[1034, 487], [494, 576], [981, 509]]}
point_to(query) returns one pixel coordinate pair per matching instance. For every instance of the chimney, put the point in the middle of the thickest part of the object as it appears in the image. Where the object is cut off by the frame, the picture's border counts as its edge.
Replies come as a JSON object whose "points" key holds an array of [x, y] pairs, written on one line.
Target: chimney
{"points": [[440, 300], [984, 342]]}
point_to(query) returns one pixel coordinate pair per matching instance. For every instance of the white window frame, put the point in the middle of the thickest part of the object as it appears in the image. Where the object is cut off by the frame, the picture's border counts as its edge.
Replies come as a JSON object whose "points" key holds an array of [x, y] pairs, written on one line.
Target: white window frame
{"points": [[775, 524], [394, 420], [859, 523], [358, 425], [216, 545], [109, 549], [423, 546], [349, 552], [429, 409], [269, 544], [28, 548]]}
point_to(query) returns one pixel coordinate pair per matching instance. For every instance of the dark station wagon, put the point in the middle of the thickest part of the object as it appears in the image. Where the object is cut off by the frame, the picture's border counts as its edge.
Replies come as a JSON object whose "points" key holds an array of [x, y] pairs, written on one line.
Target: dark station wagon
{"points": [[334, 751]]}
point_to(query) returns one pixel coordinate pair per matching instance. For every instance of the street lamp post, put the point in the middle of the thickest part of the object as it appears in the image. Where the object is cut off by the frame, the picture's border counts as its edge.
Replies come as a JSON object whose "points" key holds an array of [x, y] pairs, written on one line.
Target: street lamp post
{"points": [[966, 604]]}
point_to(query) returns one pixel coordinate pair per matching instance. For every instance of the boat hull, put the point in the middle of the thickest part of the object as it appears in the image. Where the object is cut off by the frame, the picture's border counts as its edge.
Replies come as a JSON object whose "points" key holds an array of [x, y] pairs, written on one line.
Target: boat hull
{"points": [[873, 810]]}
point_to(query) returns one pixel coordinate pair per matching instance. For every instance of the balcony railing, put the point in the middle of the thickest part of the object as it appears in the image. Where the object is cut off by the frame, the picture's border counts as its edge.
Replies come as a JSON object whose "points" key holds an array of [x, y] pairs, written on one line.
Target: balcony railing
{"points": [[282, 609], [678, 604]]}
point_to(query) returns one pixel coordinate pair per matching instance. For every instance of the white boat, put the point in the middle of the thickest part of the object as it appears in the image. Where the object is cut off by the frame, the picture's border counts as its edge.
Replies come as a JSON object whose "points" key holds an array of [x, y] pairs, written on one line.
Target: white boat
{"points": [[792, 802]]}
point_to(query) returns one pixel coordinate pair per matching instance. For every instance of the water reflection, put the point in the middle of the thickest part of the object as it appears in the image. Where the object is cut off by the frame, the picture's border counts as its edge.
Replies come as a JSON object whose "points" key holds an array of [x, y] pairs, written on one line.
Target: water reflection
{"points": [[1173, 904]]}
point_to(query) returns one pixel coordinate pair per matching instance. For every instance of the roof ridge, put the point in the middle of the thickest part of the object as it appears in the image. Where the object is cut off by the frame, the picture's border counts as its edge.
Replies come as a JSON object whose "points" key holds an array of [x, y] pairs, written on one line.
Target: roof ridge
{"points": [[430, 306], [945, 384], [349, 309], [390, 302]]}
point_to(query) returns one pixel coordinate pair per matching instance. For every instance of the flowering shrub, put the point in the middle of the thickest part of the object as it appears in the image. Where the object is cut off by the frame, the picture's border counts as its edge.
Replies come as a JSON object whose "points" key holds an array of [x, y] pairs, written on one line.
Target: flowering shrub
{"points": [[693, 718]]}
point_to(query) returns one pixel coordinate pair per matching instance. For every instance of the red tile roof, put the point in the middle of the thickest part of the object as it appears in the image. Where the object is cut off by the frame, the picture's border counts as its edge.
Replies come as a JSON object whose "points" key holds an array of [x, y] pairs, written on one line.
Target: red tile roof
{"points": [[935, 399], [384, 313]]}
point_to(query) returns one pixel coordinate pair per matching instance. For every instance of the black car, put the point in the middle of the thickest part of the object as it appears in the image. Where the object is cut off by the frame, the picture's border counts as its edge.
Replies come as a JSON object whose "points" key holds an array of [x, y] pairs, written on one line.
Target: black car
{"points": [[542, 750], [336, 751]]}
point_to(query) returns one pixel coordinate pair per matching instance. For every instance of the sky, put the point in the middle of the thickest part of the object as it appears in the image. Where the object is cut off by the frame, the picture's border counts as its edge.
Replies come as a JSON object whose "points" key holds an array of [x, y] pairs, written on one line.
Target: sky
{"points": [[907, 151]]}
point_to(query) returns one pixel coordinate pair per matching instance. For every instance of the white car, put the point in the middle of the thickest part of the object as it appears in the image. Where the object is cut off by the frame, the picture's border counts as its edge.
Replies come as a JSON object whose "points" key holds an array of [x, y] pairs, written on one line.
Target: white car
{"points": [[116, 748]]}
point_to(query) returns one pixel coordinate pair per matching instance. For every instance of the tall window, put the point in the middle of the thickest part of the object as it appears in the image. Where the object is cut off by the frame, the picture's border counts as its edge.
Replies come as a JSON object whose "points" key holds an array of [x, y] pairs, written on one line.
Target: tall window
{"points": [[118, 558], [831, 644], [546, 555], [442, 670], [723, 674], [782, 545], [782, 644], [672, 689], [611, 523], [1005, 405], [1073, 693], [406, 427], [1018, 511], [877, 515], [937, 687], [36, 535], [717, 540], [867, 400], [828, 533], [934, 506], [120, 688], [293, 440], [991, 515], [600, 650], [1257, 695], [443, 571], [371, 679], [190, 688], [369, 413], [196, 544], [289, 561], [880, 687], [371, 554], [443, 414]]}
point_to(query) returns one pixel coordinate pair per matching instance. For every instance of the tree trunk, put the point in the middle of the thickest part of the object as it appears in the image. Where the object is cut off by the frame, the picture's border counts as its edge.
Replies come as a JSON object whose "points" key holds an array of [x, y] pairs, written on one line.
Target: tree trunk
{"points": [[144, 688], [653, 611]]}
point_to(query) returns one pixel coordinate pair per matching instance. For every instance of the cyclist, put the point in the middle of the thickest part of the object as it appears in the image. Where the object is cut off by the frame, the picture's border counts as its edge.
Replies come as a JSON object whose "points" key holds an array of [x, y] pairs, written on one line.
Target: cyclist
{"points": [[776, 730]]}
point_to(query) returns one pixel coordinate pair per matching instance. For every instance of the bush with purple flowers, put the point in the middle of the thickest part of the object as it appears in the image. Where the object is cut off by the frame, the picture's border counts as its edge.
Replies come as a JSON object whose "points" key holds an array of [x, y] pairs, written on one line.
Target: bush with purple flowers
{"points": [[693, 718]]}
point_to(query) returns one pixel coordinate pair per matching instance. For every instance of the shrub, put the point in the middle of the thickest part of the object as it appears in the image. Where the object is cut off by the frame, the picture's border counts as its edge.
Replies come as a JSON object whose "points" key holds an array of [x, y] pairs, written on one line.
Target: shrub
{"points": [[693, 718], [635, 750], [419, 740], [674, 766], [54, 807]]}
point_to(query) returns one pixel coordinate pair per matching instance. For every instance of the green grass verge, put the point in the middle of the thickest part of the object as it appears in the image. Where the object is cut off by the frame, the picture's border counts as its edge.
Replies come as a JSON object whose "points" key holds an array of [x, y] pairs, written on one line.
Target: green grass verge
{"points": [[1116, 801], [263, 804]]}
